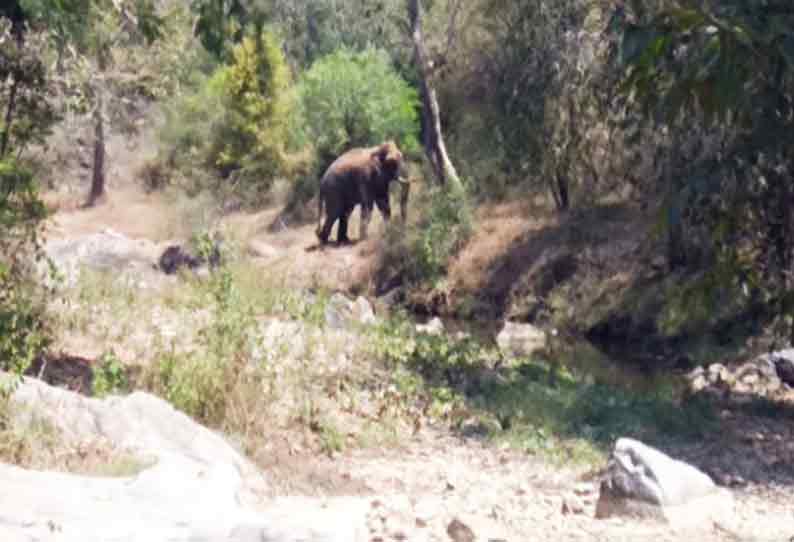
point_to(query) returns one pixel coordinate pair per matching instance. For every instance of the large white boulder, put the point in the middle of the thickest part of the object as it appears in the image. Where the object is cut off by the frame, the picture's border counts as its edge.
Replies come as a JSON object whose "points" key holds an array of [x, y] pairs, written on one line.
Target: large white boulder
{"points": [[198, 488], [108, 250], [642, 482]]}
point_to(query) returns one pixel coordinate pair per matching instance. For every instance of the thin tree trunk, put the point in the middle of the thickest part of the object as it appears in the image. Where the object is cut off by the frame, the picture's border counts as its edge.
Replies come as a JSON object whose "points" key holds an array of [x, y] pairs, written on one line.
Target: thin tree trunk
{"points": [[431, 121], [98, 174], [9, 116], [676, 253]]}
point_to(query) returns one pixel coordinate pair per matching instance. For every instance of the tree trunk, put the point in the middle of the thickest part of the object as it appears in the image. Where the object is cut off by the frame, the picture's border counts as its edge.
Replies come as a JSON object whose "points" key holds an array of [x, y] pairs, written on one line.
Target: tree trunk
{"points": [[676, 252], [9, 117], [98, 175], [431, 122], [19, 37]]}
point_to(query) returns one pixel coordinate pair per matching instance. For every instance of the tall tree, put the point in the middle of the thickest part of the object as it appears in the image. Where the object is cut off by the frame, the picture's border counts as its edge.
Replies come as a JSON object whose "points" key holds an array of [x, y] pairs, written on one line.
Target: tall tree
{"points": [[431, 119], [94, 28], [14, 13], [727, 66]]}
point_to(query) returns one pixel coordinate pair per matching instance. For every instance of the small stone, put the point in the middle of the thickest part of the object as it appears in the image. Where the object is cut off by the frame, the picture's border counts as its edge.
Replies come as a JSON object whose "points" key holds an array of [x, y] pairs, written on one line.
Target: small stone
{"points": [[434, 327], [584, 489], [460, 532], [572, 505]]}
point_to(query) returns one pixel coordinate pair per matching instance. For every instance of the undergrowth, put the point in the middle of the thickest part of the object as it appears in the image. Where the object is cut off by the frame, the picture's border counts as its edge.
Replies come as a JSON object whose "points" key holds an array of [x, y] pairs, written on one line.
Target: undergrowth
{"points": [[421, 253], [536, 406]]}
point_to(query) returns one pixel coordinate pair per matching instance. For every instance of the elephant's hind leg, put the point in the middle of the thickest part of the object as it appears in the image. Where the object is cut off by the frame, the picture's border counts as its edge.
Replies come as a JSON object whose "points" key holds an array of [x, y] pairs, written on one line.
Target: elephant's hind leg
{"points": [[325, 232], [343, 221]]}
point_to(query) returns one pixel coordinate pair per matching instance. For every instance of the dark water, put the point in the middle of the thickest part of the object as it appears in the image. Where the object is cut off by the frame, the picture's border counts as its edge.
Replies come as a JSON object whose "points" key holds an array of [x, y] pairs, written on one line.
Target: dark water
{"points": [[582, 359]]}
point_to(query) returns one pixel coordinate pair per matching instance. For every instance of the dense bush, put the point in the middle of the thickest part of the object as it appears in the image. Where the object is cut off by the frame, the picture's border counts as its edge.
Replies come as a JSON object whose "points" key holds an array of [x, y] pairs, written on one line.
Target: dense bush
{"points": [[424, 251], [23, 329], [352, 99], [234, 124]]}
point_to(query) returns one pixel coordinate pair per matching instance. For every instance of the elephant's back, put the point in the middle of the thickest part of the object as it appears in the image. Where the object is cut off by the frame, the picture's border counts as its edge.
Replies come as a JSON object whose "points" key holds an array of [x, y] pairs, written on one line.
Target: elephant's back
{"points": [[351, 161]]}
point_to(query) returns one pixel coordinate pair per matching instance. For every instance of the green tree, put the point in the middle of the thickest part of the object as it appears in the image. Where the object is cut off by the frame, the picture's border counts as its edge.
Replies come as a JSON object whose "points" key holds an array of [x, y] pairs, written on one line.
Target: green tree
{"points": [[351, 99], [250, 139], [229, 133], [220, 24], [95, 28], [729, 68], [25, 96]]}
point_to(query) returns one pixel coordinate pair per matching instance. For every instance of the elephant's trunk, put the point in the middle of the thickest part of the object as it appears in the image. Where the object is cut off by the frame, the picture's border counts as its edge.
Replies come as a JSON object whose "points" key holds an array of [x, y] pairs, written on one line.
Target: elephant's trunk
{"points": [[405, 189]]}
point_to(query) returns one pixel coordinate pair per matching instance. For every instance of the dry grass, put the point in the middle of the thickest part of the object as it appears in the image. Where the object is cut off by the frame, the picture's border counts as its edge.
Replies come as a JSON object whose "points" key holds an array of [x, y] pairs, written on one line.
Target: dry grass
{"points": [[499, 227], [126, 210], [38, 445]]}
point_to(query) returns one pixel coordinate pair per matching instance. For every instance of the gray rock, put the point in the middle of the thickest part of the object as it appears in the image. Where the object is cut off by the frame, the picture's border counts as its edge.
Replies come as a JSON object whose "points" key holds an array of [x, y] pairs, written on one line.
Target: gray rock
{"points": [[784, 365], [363, 312], [198, 489], [104, 251], [341, 313], [460, 532], [643, 482], [521, 339]]}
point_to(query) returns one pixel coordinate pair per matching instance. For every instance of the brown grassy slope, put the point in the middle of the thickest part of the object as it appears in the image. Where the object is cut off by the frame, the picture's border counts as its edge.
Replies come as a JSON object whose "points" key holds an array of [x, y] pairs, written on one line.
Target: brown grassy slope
{"points": [[528, 262]]}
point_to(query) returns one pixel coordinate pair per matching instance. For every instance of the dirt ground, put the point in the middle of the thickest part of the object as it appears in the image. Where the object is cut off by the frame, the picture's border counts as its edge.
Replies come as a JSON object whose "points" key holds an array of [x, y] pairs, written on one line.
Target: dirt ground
{"points": [[420, 486]]}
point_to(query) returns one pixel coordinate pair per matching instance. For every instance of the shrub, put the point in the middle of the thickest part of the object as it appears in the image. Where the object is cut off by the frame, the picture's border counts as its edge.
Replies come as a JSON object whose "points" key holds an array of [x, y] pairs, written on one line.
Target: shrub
{"points": [[109, 376], [351, 99], [23, 329], [235, 122], [254, 90], [198, 382], [424, 251]]}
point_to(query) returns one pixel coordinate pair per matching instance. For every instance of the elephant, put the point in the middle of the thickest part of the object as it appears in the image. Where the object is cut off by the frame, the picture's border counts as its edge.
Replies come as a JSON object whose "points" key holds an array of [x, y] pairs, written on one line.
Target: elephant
{"points": [[360, 176]]}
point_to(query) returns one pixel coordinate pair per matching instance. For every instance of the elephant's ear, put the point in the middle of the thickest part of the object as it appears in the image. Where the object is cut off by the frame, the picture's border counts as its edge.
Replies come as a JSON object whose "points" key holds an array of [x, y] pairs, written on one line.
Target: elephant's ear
{"points": [[381, 152]]}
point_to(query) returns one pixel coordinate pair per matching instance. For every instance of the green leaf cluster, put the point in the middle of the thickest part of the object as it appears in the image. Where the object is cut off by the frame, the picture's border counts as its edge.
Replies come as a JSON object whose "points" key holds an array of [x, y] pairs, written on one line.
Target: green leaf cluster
{"points": [[355, 99], [254, 91], [23, 326], [235, 123]]}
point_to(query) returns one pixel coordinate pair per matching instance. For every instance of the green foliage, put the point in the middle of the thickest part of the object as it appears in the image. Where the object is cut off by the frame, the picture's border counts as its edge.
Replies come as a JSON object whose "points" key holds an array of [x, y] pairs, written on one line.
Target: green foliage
{"points": [[715, 60], [538, 407], [729, 67], [235, 123], [220, 24], [604, 414], [355, 99], [25, 95], [255, 96], [311, 28], [433, 356], [23, 326], [198, 382], [110, 376], [423, 252]]}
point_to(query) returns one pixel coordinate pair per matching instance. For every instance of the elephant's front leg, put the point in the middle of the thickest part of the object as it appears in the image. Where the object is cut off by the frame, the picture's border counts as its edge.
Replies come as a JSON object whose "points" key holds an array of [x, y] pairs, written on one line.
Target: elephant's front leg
{"points": [[365, 194], [384, 207]]}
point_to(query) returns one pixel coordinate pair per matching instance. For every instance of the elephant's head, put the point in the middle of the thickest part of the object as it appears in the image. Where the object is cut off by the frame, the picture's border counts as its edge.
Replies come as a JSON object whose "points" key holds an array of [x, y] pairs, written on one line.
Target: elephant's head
{"points": [[390, 164], [389, 160]]}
